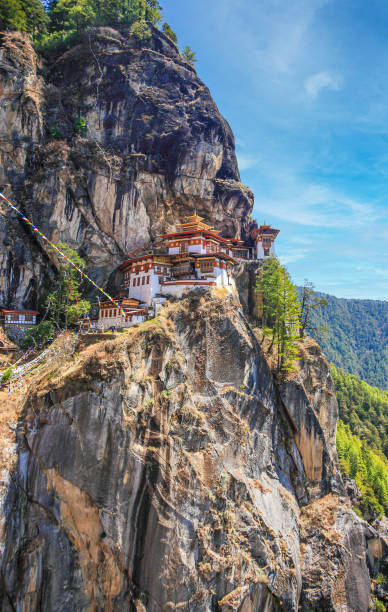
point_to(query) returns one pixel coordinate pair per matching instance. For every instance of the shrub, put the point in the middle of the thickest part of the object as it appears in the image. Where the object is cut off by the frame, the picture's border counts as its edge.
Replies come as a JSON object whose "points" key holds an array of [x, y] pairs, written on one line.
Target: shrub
{"points": [[7, 375], [56, 133], [42, 333], [80, 126]]}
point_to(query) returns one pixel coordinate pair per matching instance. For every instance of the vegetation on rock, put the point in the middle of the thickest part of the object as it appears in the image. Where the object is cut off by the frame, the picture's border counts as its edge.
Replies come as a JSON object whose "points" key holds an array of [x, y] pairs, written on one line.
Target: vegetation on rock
{"points": [[280, 312], [56, 23], [64, 303], [23, 15], [310, 302], [38, 335], [189, 56]]}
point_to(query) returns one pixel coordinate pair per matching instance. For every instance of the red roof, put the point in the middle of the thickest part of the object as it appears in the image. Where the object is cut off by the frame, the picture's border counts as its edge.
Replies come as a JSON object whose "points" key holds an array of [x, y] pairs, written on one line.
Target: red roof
{"points": [[196, 232], [30, 312], [265, 229]]}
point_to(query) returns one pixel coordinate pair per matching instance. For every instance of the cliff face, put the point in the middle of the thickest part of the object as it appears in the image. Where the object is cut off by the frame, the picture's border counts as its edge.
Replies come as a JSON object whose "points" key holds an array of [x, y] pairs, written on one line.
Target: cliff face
{"points": [[165, 469], [155, 148]]}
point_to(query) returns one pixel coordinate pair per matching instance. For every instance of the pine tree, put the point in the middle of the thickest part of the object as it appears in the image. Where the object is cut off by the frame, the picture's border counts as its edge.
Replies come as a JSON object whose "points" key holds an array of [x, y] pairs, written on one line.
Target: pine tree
{"points": [[170, 33], [309, 302], [280, 312], [12, 16], [64, 303], [189, 56]]}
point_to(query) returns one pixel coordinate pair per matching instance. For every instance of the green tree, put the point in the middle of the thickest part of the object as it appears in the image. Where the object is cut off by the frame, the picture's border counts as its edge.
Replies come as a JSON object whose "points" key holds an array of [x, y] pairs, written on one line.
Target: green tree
{"points": [[363, 408], [170, 33], [12, 16], [189, 56], [23, 15], [38, 335], [368, 469], [280, 309], [309, 301], [64, 303], [71, 15], [36, 16]]}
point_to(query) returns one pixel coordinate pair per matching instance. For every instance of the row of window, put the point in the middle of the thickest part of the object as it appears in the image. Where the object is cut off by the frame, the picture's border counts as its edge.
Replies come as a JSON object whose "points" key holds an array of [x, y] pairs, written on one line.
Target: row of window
{"points": [[145, 280], [109, 313], [20, 318]]}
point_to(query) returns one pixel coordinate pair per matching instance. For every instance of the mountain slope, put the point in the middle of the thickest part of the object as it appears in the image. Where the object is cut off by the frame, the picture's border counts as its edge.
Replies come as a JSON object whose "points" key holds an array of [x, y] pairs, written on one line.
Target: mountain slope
{"points": [[167, 469], [357, 337], [363, 408]]}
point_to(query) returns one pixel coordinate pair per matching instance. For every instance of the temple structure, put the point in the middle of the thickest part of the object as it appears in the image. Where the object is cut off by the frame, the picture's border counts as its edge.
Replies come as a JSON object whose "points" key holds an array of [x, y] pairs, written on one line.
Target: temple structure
{"points": [[23, 319], [264, 239], [195, 256], [129, 313]]}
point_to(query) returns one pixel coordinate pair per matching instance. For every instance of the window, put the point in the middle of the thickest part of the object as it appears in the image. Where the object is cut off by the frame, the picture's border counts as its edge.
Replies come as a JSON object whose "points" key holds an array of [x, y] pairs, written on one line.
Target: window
{"points": [[28, 318], [148, 280], [206, 266], [184, 247], [143, 280], [134, 282]]}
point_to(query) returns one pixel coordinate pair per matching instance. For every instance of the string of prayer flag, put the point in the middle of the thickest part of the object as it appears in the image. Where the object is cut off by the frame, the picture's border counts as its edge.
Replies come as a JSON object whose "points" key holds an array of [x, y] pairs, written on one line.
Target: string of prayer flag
{"points": [[82, 273]]}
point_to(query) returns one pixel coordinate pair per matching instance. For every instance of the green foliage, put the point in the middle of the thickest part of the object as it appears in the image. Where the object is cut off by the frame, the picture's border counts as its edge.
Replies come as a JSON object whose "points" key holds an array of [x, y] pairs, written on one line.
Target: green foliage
{"points": [[80, 126], [310, 302], [363, 408], [189, 56], [170, 33], [7, 375], [36, 336], [56, 133], [379, 606], [140, 30], [356, 338], [369, 470], [67, 18], [280, 311], [64, 303], [23, 15]]}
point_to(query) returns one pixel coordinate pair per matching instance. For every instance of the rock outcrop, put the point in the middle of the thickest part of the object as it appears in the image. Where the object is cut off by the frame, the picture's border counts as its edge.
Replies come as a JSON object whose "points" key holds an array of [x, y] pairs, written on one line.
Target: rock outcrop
{"points": [[165, 469], [155, 148]]}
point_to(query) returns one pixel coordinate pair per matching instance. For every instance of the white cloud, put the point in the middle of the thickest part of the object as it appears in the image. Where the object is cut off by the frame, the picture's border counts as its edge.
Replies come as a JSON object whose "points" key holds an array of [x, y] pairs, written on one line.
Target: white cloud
{"points": [[246, 161], [321, 80], [293, 199]]}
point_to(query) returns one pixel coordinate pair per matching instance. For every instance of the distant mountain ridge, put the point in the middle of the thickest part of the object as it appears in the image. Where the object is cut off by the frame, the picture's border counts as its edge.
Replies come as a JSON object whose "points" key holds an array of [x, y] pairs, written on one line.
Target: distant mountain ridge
{"points": [[356, 339]]}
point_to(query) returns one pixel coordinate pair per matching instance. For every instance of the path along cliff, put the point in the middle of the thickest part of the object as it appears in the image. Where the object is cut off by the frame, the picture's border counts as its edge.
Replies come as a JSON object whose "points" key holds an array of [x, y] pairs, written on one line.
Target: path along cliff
{"points": [[155, 148], [167, 469]]}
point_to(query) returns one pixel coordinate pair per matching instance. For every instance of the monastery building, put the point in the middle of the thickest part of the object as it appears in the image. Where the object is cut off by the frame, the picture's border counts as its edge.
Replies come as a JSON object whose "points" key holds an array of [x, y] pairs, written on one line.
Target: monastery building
{"points": [[195, 256]]}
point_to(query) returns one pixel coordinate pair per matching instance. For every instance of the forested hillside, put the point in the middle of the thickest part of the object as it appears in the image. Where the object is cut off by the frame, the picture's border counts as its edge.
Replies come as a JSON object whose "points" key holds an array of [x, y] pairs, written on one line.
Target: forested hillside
{"points": [[363, 408], [362, 440], [356, 336]]}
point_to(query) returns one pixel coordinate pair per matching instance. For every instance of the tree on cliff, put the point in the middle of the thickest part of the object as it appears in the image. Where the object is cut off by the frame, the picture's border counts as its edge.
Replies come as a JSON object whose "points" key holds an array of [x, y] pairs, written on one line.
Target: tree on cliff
{"points": [[189, 56], [64, 303], [23, 15], [168, 31], [310, 301], [281, 312]]}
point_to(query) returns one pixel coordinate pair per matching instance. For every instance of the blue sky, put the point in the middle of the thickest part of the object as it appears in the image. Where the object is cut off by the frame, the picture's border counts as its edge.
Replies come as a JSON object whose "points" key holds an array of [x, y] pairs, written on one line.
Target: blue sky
{"points": [[304, 86]]}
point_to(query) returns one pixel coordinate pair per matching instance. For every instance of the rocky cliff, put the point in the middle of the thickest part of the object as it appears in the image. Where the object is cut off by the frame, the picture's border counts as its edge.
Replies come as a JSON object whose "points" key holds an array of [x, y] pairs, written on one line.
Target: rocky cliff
{"points": [[167, 469], [154, 149]]}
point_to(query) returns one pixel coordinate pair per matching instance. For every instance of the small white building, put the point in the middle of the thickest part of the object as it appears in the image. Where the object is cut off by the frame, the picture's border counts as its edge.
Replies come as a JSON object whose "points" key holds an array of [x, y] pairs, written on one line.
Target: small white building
{"points": [[20, 318], [128, 313]]}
